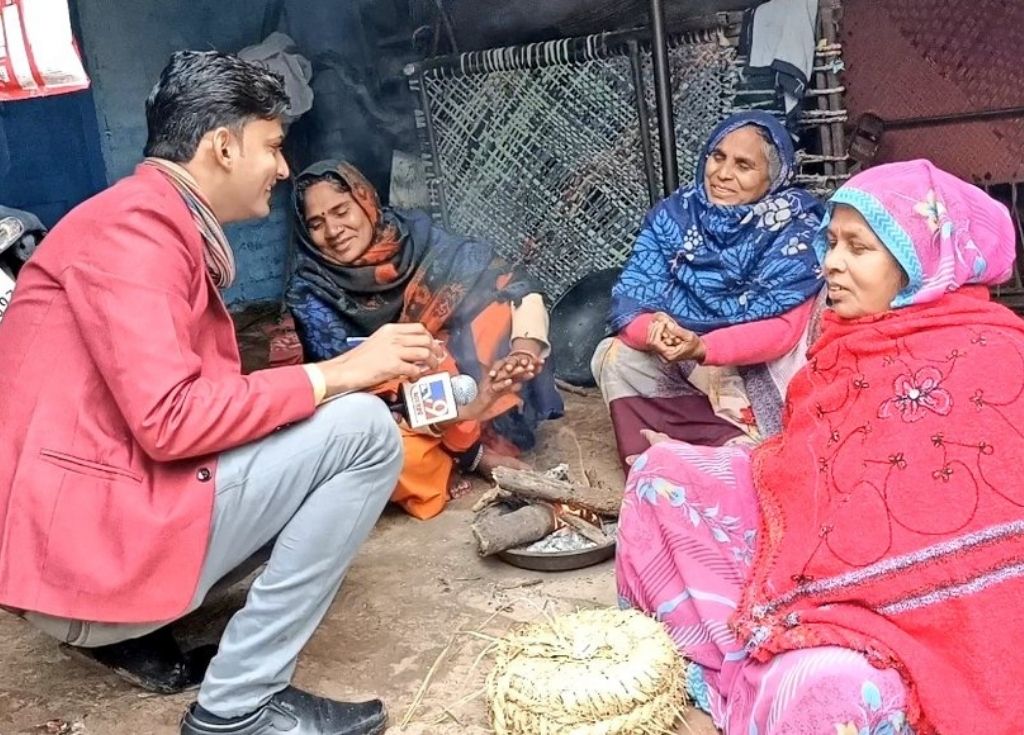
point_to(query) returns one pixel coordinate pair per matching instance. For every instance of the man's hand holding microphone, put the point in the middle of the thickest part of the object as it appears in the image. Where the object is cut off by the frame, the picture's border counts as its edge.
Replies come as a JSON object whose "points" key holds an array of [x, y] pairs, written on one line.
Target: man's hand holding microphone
{"points": [[395, 351], [408, 353]]}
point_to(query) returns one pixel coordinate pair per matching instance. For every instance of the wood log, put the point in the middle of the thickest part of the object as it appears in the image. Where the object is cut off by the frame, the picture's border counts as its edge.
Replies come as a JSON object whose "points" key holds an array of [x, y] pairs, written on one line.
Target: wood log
{"points": [[496, 531], [585, 528], [489, 498], [570, 388], [535, 486]]}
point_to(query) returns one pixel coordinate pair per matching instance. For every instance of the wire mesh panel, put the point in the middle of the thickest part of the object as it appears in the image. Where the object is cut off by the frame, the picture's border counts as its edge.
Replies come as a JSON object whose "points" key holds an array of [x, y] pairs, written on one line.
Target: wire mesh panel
{"points": [[541, 149], [704, 76], [544, 150]]}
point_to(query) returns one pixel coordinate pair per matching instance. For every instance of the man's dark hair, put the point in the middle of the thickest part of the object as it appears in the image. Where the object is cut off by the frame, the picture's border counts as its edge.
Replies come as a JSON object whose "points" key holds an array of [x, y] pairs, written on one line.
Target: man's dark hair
{"points": [[200, 91]]}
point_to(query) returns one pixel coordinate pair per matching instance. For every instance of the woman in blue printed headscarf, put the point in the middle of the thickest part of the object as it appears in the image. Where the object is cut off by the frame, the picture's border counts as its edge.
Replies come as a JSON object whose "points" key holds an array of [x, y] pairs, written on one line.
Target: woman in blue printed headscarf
{"points": [[722, 274]]}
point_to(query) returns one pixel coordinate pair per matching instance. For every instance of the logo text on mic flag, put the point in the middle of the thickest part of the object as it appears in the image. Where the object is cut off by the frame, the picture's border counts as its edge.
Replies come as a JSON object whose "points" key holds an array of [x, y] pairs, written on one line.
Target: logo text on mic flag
{"points": [[430, 400]]}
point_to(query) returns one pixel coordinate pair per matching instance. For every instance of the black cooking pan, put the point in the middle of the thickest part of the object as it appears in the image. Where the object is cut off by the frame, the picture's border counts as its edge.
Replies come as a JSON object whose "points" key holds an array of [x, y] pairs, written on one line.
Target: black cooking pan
{"points": [[558, 561], [579, 321]]}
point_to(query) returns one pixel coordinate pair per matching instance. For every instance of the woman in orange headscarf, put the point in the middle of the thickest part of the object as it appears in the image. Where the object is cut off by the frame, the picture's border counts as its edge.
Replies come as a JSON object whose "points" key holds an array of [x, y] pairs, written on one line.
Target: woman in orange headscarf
{"points": [[361, 266]]}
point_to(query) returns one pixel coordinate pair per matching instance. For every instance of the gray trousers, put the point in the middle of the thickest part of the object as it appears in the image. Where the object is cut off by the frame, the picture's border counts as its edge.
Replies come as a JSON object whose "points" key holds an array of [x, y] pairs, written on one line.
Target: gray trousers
{"points": [[317, 487]]}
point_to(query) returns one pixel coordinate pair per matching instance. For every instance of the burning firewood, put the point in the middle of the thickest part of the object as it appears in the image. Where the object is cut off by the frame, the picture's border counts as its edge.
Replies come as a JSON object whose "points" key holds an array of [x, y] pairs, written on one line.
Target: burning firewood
{"points": [[549, 503], [585, 527], [536, 486]]}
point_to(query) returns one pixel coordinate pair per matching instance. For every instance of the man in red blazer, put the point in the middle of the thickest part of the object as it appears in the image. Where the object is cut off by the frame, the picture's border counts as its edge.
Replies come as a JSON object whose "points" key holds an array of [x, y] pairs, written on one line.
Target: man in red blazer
{"points": [[138, 466]]}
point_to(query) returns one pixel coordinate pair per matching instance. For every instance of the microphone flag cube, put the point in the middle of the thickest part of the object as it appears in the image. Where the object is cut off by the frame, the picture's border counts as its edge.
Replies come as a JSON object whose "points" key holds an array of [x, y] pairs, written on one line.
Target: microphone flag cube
{"points": [[430, 400]]}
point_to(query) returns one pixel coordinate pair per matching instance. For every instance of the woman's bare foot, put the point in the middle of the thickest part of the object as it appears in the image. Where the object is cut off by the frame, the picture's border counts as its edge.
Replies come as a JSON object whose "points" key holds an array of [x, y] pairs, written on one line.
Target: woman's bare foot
{"points": [[492, 460], [459, 487], [654, 437]]}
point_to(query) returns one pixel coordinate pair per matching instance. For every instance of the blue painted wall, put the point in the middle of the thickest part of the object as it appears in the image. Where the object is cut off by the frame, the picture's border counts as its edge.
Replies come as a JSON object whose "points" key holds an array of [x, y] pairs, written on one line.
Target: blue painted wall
{"points": [[261, 251], [126, 44]]}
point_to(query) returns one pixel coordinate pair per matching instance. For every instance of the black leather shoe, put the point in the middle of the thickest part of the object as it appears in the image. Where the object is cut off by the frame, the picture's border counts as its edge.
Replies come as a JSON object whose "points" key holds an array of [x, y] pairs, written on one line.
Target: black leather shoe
{"points": [[153, 662], [295, 712]]}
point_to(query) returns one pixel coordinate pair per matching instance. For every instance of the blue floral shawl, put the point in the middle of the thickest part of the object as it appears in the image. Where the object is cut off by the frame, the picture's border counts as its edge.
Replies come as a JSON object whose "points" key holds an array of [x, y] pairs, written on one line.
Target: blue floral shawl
{"points": [[711, 266]]}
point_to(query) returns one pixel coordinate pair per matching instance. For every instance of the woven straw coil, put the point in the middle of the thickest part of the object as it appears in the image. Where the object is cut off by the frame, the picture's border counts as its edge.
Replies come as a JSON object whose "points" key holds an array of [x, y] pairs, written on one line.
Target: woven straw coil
{"points": [[594, 672]]}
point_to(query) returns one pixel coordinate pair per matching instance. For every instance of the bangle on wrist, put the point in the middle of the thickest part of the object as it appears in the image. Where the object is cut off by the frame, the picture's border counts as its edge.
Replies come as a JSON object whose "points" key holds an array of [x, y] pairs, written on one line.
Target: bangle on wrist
{"points": [[476, 460], [468, 460]]}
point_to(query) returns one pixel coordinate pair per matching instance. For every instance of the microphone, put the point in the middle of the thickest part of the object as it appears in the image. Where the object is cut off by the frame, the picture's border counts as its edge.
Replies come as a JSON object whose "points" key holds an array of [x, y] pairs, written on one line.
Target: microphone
{"points": [[465, 389], [434, 398]]}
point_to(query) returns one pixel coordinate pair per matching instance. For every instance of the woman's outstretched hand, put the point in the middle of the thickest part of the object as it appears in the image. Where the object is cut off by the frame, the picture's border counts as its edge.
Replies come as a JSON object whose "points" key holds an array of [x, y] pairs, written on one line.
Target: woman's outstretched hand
{"points": [[522, 364], [490, 390], [505, 377]]}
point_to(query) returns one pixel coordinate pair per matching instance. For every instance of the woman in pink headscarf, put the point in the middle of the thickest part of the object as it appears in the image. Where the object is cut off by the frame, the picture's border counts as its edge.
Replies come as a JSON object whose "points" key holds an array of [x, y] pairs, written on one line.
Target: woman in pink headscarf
{"points": [[862, 571]]}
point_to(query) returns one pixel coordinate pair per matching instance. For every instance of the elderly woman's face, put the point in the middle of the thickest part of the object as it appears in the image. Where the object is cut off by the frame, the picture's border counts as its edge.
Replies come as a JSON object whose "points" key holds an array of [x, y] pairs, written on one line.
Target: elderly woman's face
{"points": [[337, 225], [863, 277], [736, 171]]}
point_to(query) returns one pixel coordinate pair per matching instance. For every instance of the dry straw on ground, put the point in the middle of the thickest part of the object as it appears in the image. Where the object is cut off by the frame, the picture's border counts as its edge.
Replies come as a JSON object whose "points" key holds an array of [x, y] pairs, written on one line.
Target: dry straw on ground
{"points": [[593, 672]]}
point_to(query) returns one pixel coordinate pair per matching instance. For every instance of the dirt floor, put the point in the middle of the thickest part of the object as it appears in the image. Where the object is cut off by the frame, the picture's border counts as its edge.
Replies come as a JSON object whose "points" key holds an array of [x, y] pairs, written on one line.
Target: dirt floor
{"points": [[403, 627]]}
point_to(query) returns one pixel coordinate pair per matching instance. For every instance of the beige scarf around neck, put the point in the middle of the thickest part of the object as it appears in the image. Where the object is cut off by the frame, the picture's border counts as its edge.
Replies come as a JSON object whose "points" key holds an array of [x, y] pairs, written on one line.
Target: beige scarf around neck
{"points": [[220, 260]]}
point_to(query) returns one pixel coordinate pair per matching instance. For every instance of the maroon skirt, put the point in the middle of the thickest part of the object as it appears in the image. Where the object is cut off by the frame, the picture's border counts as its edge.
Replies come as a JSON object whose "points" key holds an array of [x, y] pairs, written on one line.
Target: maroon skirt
{"points": [[643, 392]]}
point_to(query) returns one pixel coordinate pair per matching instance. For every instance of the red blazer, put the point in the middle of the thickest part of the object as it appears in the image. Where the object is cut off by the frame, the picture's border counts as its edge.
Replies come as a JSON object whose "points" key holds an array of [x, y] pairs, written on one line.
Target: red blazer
{"points": [[120, 383]]}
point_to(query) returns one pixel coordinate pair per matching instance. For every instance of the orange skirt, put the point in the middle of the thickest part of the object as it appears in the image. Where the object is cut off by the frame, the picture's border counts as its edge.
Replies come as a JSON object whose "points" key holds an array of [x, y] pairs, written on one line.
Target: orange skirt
{"points": [[422, 488]]}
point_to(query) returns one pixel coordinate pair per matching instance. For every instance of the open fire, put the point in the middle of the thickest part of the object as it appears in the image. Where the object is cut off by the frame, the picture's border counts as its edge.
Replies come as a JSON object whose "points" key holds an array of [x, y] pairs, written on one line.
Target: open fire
{"points": [[576, 529], [562, 510], [531, 515]]}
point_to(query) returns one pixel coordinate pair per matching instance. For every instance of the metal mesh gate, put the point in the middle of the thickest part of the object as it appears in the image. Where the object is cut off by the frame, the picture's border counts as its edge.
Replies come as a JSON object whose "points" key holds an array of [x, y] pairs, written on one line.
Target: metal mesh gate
{"points": [[548, 151], [544, 151]]}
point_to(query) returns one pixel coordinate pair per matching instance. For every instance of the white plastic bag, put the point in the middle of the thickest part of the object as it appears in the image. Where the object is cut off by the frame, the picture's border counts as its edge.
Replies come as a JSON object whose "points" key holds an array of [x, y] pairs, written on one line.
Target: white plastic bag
{"points": [[6, 292], [38, 55]]}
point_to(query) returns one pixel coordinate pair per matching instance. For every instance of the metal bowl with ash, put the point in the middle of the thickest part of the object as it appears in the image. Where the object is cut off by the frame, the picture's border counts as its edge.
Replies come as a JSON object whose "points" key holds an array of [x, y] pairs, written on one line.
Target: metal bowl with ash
{"points": [[543, 522]]}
